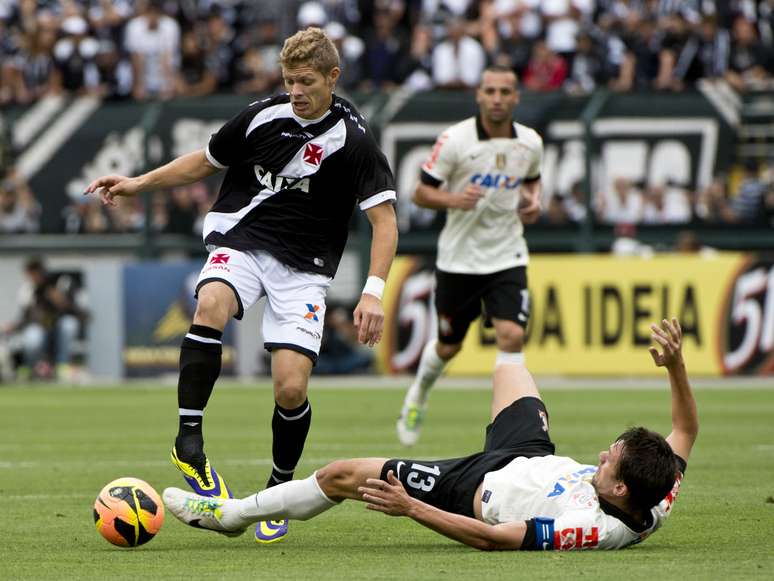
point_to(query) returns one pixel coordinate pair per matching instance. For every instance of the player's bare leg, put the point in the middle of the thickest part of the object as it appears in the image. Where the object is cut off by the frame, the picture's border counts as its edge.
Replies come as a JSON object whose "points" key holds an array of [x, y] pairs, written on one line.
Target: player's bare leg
{"points": [[290, 426], [297, 499], [434, 358], [512, 380], [200, 361]]}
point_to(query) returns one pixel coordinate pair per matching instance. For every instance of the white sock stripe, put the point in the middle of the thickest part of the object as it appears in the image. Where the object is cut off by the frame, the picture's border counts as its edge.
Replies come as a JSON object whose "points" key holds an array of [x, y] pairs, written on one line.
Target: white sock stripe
{"points": [[187, 412], [275, 479], [298, 417], [503, 357], [201, 339], [281, 471]]}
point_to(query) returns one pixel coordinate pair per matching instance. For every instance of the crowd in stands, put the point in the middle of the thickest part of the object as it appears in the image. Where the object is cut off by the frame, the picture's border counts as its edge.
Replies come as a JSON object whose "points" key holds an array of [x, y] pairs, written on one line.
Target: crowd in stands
{"points": [[162, 49], [159, 49], [633, 204]]}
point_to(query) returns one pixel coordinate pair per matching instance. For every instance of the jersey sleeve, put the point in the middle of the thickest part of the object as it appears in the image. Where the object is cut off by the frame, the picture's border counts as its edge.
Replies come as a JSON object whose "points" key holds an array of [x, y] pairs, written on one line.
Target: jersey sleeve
{"points": [[577, 530], [440, 164], [372, 178], [228, 146], [533, 172]]}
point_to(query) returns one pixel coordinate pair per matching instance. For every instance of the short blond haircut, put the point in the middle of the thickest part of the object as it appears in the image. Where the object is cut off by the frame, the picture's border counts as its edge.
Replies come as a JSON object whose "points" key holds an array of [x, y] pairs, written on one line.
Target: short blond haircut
{"points": [[310, 47]]}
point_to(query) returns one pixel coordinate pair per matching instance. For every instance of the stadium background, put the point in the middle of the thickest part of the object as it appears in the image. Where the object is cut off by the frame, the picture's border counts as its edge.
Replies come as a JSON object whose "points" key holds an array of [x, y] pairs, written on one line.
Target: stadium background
{"points": [[673, 139]]}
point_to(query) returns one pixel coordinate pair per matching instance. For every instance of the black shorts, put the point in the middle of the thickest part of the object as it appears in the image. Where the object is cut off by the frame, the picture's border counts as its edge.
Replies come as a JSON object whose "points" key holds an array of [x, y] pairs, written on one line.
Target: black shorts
{"points": [[459, 298], [521, 429]]}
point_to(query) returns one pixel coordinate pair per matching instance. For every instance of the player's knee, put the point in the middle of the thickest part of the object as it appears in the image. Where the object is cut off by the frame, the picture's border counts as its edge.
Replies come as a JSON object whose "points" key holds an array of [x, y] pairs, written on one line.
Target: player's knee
{"points": [[337, 479], [447, 350], [289, 392], [510, 338], [210, 312]]}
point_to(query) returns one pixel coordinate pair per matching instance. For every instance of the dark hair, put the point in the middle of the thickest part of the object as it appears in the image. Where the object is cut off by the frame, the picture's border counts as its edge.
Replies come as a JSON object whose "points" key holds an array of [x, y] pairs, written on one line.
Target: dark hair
{"points": [[647, 466], [34, 264], [500, 69]]}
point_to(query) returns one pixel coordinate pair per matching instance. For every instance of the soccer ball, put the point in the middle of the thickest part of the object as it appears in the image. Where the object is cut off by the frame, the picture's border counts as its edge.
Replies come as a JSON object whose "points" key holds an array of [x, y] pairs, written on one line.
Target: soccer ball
{"points": [[128, 512]]}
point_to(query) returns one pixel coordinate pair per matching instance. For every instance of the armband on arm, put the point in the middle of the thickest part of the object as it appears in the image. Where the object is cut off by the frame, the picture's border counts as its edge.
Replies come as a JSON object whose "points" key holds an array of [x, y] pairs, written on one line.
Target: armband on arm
{"points": [[540, 535]]}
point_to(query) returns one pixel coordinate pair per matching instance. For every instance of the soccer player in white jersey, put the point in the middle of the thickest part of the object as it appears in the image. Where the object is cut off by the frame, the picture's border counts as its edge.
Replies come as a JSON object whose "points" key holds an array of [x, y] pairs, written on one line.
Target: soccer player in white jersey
{"points": [[516, 494], [485, 172], [296, 166]]}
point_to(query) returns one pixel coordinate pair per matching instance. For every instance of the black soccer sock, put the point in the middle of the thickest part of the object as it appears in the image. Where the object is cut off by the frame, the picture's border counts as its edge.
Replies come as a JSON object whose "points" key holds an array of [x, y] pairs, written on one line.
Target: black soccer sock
{"points": [[289, 428], [200, 360]]}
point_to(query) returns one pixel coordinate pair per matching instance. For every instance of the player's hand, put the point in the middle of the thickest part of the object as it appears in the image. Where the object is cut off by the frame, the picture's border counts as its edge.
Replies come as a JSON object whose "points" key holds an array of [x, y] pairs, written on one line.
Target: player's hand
{"points": [[388, 497], [670, 337], [529, 208], [468, 198], [369, 319], [111, 186]]}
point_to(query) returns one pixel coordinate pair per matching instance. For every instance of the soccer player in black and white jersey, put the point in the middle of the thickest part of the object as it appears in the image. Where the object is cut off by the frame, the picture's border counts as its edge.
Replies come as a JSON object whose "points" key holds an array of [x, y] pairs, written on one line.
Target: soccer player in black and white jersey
{"points": [[516, 493], [296, 165], [485, 172]]}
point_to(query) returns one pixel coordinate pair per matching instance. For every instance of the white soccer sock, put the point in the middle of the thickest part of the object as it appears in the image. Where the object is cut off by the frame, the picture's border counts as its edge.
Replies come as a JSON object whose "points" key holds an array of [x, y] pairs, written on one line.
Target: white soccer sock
{"points": [[430, 369], [296, 500]]}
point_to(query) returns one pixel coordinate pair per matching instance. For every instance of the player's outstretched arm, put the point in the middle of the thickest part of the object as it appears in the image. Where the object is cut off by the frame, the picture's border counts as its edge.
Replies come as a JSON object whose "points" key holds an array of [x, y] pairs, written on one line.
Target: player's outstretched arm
{"points": [[685, 418], [186, 169], [369, 313], [392, 499]]}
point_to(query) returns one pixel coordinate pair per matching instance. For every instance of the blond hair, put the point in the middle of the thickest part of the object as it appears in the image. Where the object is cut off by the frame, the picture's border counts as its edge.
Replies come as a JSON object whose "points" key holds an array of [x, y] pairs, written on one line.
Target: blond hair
{"points": [[310, 47]]}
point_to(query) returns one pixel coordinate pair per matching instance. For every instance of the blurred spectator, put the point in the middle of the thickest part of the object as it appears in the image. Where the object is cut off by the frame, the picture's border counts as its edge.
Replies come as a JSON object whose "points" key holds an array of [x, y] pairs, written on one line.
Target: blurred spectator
{"points": [[587, 68], [574, 204], [751, 63], [640, 63], [219, 45], [749, 206], [384, 55], [714, 48], [351, 50], [196, 76], [562, 19], [49, 322], [623, 205], [419, 63], [312, 14], [153, 41], [501, 34], [75, 58], [459, 60], [546, 71], [665, 204], [180, 211], [85, 215], [258, 71], [34, 66], [340, 352], [678, 63], [115, 72], [19, 210]]}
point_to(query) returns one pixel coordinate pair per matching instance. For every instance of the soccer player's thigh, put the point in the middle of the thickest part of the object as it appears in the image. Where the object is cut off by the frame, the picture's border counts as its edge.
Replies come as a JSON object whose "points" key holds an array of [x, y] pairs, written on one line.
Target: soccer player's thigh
{"points": [[236, 270], [506, 300], [436, 482], [457, 303], [295, 311], [522, 424]]}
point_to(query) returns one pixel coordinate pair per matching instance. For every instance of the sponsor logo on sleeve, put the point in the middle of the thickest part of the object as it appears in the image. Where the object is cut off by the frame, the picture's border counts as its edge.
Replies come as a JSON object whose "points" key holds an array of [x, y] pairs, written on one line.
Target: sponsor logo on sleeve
{"points": [[576, 538]]}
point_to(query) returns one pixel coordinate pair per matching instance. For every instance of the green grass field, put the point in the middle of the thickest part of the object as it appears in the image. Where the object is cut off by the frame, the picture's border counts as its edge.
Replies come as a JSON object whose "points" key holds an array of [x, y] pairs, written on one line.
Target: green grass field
{"points": [[59, 446]]}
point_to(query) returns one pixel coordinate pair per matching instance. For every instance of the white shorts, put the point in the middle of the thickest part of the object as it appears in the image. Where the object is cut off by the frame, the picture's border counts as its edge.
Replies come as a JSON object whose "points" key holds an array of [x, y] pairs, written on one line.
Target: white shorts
{"points": [[295, 300]]}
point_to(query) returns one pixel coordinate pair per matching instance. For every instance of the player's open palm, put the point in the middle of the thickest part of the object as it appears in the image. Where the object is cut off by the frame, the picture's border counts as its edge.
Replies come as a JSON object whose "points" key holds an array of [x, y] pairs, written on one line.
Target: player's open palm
{"points": [[669, 336], [111, 186], [388, 497]]}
